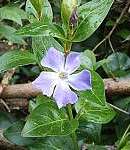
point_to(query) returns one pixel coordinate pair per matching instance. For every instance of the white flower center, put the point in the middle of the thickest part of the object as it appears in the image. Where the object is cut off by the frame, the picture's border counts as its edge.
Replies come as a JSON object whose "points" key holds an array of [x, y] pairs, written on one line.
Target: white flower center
{"points": [[63, 75]]}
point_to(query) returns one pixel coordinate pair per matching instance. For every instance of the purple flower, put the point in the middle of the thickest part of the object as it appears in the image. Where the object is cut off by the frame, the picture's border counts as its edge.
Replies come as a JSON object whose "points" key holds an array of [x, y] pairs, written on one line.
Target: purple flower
{"points": [[58, 83]]}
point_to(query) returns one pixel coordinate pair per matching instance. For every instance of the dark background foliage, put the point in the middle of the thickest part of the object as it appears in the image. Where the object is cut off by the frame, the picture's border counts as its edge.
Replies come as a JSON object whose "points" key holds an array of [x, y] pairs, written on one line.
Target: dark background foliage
{"points": [[116, 51]]}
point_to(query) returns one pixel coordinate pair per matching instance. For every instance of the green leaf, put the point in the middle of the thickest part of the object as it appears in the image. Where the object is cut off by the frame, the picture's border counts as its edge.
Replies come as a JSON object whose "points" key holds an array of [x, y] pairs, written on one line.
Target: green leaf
{"points": [[38, 101], [100, 63], [53, 143], [97, 94], [89, 131], [13, 134], [6, 119], [39, 28], [91, 15], [32, 105], [41, 45], [8, 32], [92, 105], [127, 146], [35, 29], [38, 4], [14, 59], [46, 13], [88, 59], [125, 34], [48, 120], [117, 64], [93, 112], [12, 13]]}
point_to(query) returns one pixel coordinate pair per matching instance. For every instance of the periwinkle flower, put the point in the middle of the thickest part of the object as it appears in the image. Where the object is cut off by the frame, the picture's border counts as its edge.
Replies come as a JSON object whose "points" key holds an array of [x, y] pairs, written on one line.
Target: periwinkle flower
{"points": [[59, 82]]}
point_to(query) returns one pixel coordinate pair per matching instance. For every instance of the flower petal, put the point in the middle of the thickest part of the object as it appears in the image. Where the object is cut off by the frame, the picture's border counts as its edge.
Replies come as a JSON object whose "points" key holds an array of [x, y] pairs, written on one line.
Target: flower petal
{"points": [[80, 81], [63, 95], [72, 62], [54, 60], [46, 82]]}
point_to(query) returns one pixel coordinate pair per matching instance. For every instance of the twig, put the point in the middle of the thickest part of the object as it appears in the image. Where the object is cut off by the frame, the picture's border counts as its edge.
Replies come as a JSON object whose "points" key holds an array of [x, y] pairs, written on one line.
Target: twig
{"points": [[6, 106], [114, 27], [112, 87], [6, 78], [111, 45], [119, 109]]}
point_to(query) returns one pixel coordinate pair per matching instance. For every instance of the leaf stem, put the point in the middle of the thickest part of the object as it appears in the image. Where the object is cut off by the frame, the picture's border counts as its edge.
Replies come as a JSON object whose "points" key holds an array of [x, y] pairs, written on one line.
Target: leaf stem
{"points": [[74, 137]]}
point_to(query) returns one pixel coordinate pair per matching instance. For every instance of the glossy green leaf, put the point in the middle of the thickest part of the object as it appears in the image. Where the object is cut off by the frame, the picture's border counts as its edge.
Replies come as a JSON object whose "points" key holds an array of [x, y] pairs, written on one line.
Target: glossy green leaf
{"points": [[100, 63], [41, 99], [46, 13], [53, 143], [13, 134], [97, 94], [38, 4], [88, 59], [89, 131], [91, 15], [93, 112], [127, 146], [35, 29], [15, 58], [117, 64], [92, 104], [6, 119], [32, 105], [124, 34], [39, 28], [48, 120], [12, 13], [41, 45], [8, 32]]}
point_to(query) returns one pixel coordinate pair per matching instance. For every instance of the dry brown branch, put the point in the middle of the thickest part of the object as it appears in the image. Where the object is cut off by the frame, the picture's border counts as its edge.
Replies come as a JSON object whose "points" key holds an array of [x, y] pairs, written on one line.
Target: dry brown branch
{"points": [[5, 81], [121, 87], [112, 87]]}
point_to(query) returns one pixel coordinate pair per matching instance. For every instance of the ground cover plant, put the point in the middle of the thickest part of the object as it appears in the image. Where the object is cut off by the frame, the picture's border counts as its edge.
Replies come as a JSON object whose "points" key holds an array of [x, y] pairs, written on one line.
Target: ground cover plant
{"points": [[65, 78]]}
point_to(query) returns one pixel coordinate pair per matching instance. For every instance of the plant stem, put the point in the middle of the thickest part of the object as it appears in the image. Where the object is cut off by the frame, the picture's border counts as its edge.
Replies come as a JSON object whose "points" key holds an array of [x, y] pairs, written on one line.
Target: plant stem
{"points": [[74, 138], [67, 48], [123, 137]]}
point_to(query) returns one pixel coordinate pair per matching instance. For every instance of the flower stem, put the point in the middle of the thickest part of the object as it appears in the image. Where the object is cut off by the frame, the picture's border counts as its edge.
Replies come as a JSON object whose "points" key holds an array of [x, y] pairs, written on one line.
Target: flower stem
{"points": [[74, 137], [123, 137], [67, 48]]}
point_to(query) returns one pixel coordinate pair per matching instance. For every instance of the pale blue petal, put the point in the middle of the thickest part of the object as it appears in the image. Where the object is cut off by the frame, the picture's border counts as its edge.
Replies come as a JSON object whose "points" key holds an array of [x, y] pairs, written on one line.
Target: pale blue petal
{"points": [[46, 82], [63, 95], [72, 62], [54, 59], [80, 81]]}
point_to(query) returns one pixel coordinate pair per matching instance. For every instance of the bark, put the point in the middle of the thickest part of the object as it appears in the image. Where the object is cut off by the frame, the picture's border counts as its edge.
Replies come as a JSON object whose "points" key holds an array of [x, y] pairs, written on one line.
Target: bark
{"points": [[112, 87]]}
